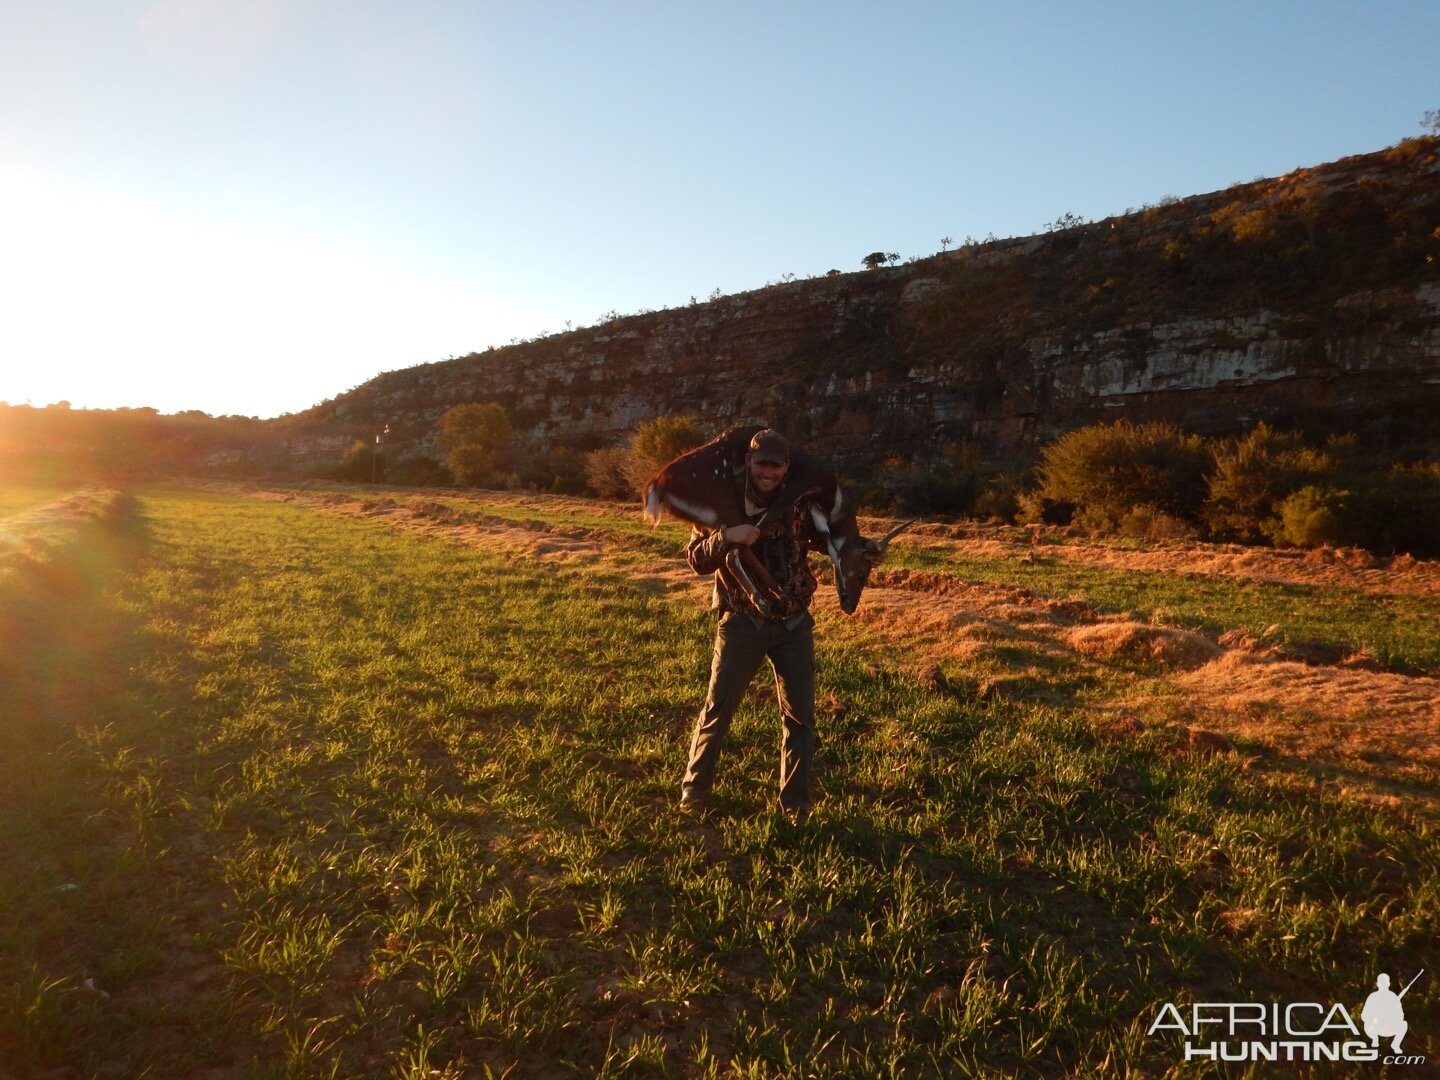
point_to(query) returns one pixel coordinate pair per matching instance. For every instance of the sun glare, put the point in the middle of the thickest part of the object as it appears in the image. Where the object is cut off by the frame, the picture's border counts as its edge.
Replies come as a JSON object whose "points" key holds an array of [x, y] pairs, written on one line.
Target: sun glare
{"points": [[116, 302]]}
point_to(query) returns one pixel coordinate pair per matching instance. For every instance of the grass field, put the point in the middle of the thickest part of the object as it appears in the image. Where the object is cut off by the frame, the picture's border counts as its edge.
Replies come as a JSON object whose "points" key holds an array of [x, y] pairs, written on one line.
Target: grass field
{"points": [[1398, 631], [17, 498], [296, 793]]}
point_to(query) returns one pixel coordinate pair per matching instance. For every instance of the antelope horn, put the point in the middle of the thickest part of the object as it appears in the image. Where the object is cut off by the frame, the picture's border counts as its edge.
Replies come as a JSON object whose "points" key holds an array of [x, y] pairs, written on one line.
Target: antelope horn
{"points": [[884, 541]]}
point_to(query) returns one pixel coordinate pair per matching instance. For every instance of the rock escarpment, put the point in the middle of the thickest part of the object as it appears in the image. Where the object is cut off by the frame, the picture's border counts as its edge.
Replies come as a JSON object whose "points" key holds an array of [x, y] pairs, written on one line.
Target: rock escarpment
{"points": [[1308, 299]]}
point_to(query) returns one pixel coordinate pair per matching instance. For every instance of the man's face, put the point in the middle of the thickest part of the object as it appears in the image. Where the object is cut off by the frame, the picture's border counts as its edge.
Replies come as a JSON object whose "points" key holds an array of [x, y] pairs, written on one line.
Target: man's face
{"points": [[765, 476]]}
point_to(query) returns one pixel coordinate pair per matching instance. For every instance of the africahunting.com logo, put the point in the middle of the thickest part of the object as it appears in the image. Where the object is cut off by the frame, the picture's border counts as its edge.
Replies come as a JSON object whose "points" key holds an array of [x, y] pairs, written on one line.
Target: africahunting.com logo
{"points": [[1253, 1031]]}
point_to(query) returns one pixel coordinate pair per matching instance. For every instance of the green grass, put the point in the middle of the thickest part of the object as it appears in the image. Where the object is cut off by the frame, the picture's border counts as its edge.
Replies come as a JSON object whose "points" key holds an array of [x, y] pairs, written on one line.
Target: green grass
{"points": [[617, 523], [1314, 623], [342, 801], [1398, 631], [17, 498]]}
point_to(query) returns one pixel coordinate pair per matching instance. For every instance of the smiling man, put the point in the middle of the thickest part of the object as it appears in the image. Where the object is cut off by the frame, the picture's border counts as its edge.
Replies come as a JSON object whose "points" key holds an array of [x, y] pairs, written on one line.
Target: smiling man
{"points": [[746, 636]]}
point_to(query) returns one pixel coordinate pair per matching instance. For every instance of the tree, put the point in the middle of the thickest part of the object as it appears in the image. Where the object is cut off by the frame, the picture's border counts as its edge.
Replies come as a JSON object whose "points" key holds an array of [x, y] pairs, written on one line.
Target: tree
{"points": [[945, 243], [874, 260], [473, 466], [476, 425], [1431, 121], [478, 438]]}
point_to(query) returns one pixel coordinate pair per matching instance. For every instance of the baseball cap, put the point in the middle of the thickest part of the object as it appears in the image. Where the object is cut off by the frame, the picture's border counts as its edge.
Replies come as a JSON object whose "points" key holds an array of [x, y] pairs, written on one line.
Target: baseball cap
{"points": [[769, 447]]}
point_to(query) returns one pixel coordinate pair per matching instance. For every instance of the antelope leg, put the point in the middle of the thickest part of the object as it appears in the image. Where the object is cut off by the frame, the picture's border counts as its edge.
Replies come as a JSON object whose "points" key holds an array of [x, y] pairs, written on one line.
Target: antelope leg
{"points": [[750, 572]]}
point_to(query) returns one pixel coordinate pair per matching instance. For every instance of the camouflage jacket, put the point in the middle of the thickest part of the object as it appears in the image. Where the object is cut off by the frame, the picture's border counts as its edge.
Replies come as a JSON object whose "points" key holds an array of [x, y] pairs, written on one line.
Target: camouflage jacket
{"points": [[784, 547]]}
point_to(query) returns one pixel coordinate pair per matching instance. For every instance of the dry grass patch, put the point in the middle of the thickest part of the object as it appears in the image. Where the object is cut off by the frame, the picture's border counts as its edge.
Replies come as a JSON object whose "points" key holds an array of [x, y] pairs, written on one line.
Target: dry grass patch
{"points": [[1369, 710], [1135, 642]]}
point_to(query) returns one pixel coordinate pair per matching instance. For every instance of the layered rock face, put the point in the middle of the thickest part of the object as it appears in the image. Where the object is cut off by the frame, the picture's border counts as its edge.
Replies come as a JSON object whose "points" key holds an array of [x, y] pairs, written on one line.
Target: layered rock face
{"points": [[1313, 298]]}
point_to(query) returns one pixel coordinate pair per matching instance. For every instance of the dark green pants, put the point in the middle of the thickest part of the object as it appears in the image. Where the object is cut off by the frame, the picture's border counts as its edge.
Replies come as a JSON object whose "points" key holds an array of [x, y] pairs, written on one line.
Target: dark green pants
{"points": [[740, 645]]}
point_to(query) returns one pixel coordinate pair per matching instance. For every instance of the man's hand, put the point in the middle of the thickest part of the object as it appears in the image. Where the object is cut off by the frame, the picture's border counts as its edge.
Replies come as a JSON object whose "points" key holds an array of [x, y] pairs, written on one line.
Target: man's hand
{"points": [[745, 535]]}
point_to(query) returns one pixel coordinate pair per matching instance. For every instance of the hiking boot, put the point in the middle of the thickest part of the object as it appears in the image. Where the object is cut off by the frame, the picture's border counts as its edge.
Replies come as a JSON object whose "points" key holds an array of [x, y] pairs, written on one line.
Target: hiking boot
{"points": [[692, 805]]}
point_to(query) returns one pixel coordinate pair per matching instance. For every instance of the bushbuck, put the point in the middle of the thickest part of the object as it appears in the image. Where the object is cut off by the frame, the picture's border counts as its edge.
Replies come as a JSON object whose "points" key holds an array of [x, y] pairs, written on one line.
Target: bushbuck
{"points": [[702, 487]]}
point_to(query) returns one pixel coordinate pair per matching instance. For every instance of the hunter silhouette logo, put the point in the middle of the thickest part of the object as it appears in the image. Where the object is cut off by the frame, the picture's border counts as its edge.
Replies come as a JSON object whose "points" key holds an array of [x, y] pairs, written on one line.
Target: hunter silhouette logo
{"points": [[1254, 1031], [1383, 1015]]}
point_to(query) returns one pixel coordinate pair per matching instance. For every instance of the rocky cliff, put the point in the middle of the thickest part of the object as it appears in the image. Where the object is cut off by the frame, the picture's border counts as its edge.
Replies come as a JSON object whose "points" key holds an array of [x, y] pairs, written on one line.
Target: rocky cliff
{"points": [[1309, 299]]}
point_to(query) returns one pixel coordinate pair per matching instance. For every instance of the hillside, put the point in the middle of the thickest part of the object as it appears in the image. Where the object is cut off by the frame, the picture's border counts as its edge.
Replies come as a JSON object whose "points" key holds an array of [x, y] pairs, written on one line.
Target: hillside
{"points": [[1310, 299]]}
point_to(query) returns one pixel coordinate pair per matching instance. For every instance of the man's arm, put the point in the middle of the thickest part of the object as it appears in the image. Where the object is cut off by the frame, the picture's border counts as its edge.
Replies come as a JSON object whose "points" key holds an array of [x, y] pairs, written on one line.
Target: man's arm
{"points": [[706, 551]]}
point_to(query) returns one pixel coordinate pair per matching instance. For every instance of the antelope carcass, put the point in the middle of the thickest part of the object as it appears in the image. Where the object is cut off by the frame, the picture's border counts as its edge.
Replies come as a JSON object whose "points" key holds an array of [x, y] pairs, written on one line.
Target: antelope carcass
{"points": [[704, 486]]}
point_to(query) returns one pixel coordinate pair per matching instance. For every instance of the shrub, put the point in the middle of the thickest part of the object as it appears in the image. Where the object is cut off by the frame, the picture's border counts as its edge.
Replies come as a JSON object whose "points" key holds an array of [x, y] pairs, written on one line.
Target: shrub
{"points": [[605, 472], [950, 485], [1001, 498], [560, 470], [476, 424], [362, 463], [419, 470], [1148, 523], [1252, 474], [621, 472], [1397, 511], [1314, 516], [656, 443], [1032, 508], [1107, 470]]}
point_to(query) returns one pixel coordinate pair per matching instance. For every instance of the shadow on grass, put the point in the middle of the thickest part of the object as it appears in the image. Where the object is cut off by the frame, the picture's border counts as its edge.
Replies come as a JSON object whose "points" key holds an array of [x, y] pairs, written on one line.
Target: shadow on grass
{"points": [[91, 904]]}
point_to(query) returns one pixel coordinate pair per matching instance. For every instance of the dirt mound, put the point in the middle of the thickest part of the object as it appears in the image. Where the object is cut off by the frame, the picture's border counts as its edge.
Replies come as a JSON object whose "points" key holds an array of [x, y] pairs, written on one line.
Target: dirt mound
{"points": [[1143, 643]]}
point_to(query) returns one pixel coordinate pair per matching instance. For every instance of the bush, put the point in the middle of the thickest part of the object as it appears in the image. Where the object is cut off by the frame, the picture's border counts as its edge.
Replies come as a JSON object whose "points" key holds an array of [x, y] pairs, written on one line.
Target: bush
{"points": [[656, 443], [1032, 508], [560, 470], [1314, 516], [605, 473], [1108, 470], [1253, 473], [362, 463], [1148, 523], [1397, 511], [1001, 498], [950, 485], [621, 472], [419, 470]]}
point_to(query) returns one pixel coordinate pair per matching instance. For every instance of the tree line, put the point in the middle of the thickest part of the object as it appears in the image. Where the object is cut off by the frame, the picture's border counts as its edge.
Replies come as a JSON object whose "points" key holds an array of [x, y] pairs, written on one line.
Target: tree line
{"points": [[1152, 481]]}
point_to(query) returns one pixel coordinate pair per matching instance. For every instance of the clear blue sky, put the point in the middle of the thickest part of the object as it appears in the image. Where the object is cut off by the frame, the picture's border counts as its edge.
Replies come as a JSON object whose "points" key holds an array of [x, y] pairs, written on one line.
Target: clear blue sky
{"points": [[246, 206]]}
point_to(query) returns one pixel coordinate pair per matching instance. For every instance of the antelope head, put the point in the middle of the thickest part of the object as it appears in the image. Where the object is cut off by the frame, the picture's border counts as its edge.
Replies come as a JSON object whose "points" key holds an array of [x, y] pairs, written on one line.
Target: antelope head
{"points": [[853, 557]]}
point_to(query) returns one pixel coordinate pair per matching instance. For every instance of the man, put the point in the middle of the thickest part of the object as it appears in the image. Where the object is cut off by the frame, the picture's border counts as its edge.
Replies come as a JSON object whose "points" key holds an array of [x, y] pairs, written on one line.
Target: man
{"points": [[1383, 1015], [745, 636]]}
